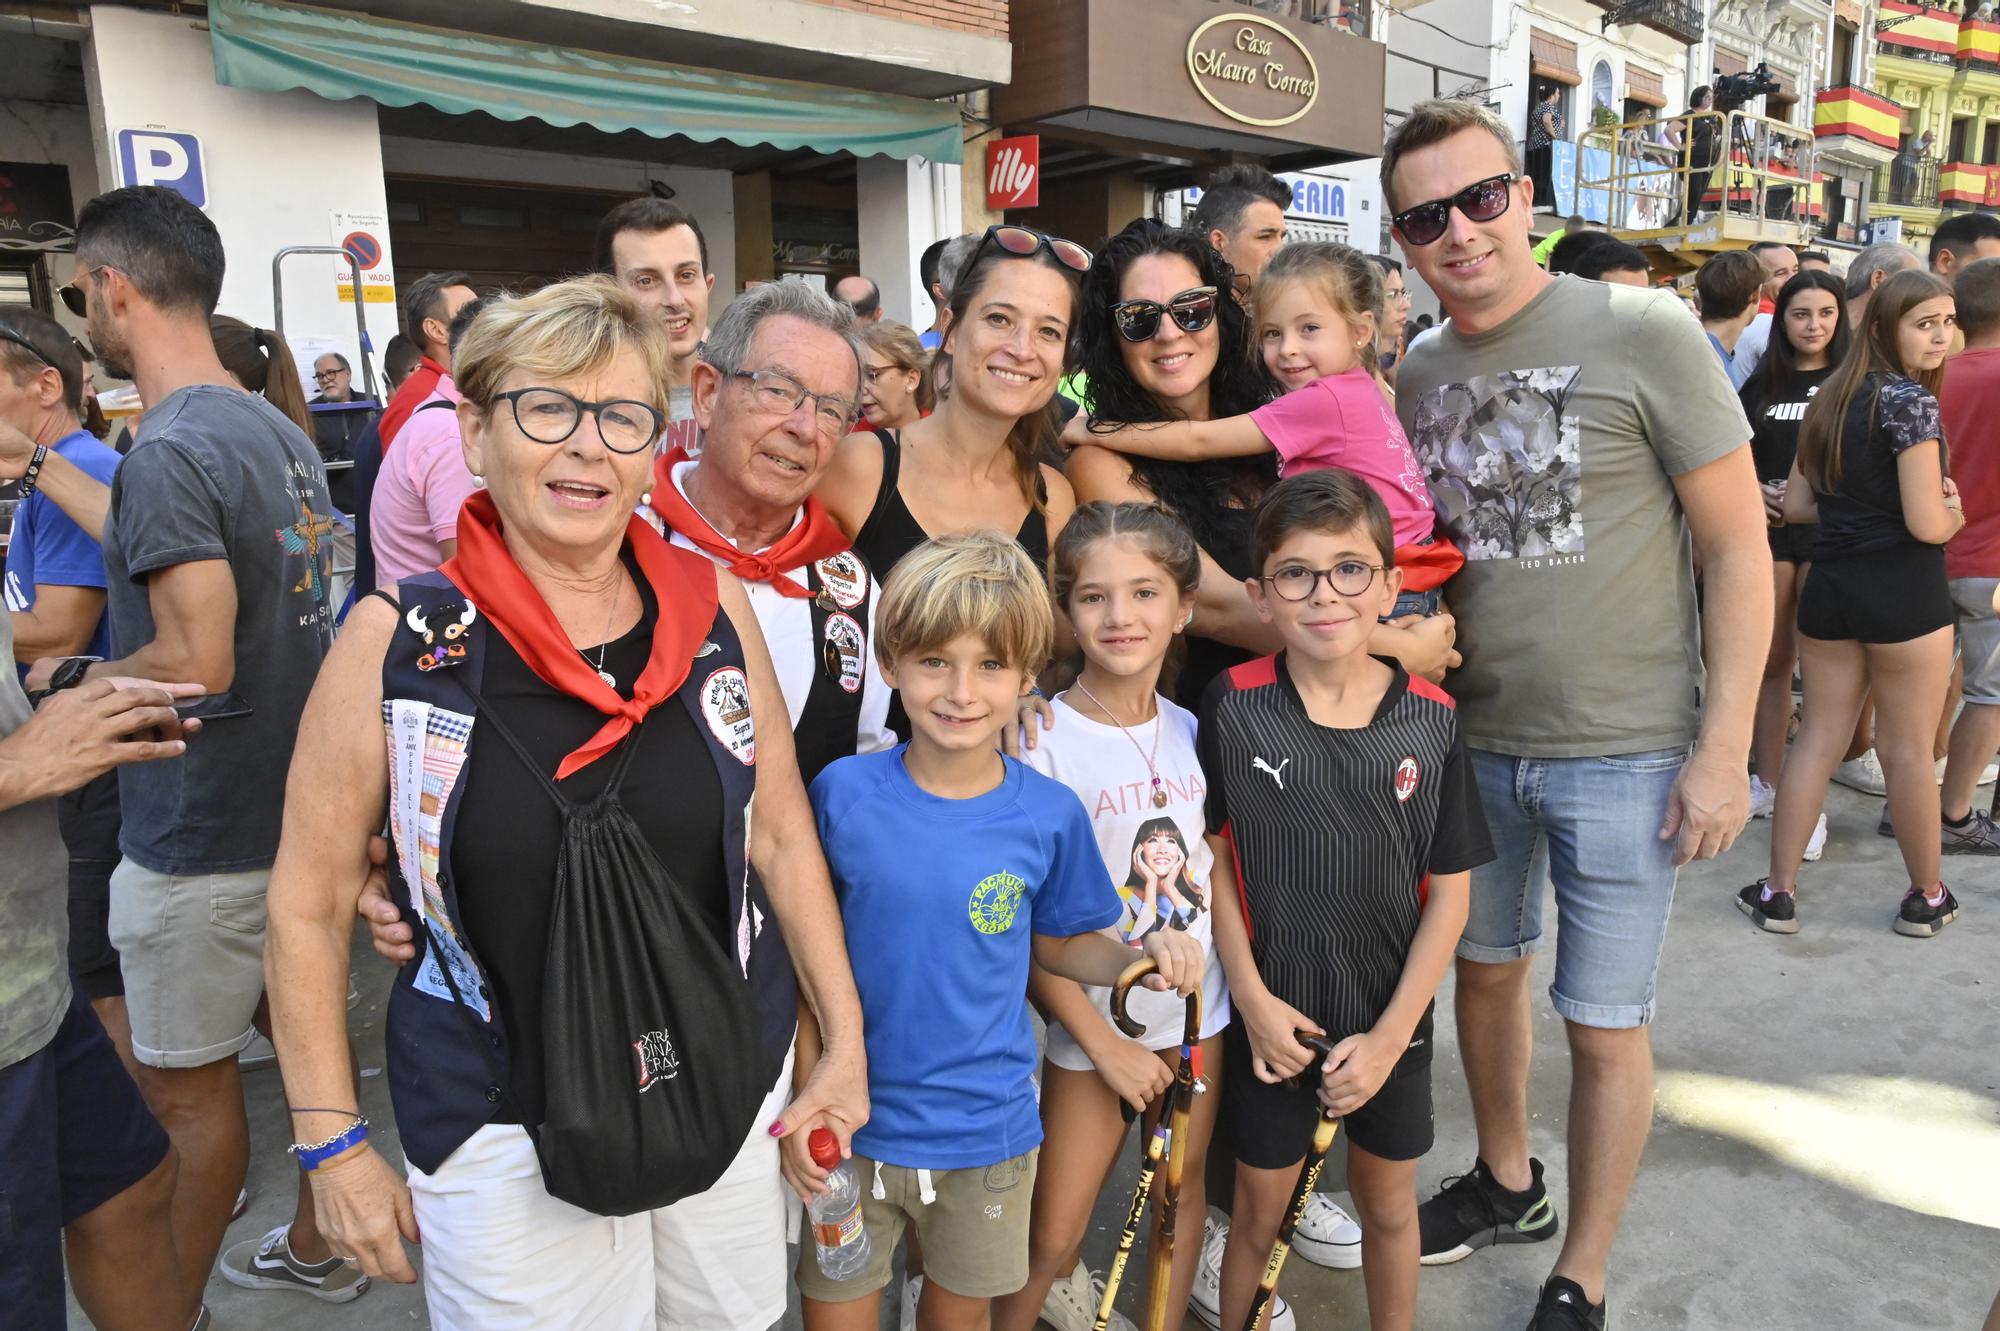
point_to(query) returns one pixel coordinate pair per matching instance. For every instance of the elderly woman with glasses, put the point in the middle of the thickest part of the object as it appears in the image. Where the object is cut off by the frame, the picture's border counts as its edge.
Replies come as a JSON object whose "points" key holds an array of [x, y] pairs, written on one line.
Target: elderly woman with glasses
{"points": [[564, 727]]}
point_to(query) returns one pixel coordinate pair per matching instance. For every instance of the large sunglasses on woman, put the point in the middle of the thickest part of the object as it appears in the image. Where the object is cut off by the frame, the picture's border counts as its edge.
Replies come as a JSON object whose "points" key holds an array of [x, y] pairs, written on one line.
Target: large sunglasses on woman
{"points": [[1481, 201], [1139, 320], [1024, 241]]}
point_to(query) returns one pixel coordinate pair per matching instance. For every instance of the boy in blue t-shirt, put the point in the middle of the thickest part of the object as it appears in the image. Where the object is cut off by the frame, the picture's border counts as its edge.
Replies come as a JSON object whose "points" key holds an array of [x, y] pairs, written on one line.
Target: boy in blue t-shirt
{"points": [[954, 867]]}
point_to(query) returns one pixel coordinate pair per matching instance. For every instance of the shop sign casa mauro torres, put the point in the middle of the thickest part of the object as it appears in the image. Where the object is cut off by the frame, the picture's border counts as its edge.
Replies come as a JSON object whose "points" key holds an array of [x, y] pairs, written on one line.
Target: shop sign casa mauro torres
{"points": [[1252, 70], [1193, 79]]}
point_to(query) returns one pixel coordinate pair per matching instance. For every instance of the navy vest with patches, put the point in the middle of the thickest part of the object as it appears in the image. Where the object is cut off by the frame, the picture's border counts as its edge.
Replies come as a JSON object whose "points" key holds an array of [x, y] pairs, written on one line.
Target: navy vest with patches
{"points": [[443, 1083]]}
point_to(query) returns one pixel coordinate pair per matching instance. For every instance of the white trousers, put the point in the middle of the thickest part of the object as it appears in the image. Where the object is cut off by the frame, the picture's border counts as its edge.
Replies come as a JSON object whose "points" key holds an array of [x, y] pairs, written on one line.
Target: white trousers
{"points": [[500, 1254]]}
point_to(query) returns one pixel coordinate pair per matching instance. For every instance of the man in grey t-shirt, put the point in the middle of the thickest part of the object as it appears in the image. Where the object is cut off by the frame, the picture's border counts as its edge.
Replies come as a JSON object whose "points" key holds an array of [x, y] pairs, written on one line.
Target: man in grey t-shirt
{"points": [[216, 547], [83, 1164], [1580, 439]]}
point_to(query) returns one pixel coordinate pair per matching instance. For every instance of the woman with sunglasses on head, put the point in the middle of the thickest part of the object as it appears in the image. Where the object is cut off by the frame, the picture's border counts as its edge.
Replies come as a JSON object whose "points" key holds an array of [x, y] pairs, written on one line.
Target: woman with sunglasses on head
{"points": [[975, 463], [564, 727]]}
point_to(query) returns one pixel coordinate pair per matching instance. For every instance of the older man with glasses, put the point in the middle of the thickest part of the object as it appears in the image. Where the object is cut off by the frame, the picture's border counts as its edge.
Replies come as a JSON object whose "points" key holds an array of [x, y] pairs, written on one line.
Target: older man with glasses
{"points": [[1582, 696], [334, 377]]}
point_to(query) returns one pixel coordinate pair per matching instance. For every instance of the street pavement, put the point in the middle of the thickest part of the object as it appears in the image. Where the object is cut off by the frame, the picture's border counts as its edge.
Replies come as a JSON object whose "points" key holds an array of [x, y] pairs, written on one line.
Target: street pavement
{"points": [[1825, 1152]]}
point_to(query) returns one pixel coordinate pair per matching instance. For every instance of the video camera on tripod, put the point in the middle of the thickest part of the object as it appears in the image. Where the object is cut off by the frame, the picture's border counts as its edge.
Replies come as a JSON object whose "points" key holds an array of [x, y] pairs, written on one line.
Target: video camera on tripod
{"points": [[1735, 91]]}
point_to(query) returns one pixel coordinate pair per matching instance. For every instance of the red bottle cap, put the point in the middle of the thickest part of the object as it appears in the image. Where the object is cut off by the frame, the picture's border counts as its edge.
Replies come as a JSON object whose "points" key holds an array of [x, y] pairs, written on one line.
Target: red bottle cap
{"points": [[824, 1148]]}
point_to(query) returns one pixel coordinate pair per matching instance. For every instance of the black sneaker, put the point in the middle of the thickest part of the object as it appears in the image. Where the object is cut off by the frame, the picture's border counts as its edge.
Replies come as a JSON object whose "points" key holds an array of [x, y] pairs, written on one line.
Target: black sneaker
{"points": [[1471, 1212], [1562, 1307], [1918, 918], [1778, 915]]}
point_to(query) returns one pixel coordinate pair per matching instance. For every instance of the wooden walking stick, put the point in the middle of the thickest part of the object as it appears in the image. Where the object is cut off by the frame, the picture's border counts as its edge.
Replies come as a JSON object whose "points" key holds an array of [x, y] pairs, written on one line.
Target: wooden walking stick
{"points": [[1167, 1146], [1322, 1142]]}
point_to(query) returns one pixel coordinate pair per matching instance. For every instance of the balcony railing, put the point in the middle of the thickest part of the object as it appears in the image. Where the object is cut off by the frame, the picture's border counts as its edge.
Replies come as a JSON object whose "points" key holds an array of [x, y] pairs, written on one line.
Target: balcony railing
{"points": [[1908, 182], [1347, 15], [1678, 19]]}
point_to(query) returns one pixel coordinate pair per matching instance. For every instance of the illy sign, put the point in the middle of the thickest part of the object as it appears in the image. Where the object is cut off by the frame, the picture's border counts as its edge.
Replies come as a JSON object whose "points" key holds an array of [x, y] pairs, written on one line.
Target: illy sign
{"points": [[1014, 172]]}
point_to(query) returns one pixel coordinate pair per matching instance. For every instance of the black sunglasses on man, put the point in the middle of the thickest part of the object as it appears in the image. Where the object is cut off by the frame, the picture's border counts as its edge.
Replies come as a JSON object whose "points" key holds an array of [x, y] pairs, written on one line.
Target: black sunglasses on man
{"points": [[1481, 201]]}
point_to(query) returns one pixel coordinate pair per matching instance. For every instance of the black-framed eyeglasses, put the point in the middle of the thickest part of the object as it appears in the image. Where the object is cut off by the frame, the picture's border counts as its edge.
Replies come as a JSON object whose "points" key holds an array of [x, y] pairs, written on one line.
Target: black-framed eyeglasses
{"points": [[778, 393], [1022, 242], [324, 375], [1481, 201], [1139, 320], [9, 335], [550, 415], [1350, 577], [72, 294]]}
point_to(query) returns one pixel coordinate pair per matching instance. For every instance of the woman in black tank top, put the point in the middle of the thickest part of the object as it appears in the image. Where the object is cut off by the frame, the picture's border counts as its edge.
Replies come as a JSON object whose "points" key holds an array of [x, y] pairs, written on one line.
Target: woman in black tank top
{"points": [[976, 463]]}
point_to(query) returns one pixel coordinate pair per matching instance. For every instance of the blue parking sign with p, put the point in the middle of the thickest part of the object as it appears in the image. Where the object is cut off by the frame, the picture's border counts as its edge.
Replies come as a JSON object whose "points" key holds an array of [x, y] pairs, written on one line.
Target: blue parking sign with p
{"points": [[162, 157]]}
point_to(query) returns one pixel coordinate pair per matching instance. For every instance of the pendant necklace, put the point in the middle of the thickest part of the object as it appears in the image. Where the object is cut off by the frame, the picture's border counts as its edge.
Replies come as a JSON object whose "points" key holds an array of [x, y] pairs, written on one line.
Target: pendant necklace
{"points": [[604, 647], [1152, 759]]}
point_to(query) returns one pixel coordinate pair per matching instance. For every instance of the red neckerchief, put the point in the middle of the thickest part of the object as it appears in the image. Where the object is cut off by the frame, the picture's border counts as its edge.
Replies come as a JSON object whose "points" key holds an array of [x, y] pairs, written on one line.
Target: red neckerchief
{"points": [[402, 403], [683, 586], [813, 538]]}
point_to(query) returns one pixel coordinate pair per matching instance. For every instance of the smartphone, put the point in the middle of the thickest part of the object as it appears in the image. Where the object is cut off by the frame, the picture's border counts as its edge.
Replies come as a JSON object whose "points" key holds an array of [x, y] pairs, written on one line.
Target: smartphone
{"points": [[212, 707]]}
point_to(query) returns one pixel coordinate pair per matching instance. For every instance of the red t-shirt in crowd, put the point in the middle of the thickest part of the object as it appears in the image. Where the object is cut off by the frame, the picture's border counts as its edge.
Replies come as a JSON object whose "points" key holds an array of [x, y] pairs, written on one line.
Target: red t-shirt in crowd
{"points": [[1970, 407], [416, 389]]}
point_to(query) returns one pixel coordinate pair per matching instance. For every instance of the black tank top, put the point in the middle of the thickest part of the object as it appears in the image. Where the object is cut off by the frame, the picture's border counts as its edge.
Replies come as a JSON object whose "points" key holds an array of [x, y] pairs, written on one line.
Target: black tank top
{"points": [[1228, 545], [891, 532], [508, 832]]}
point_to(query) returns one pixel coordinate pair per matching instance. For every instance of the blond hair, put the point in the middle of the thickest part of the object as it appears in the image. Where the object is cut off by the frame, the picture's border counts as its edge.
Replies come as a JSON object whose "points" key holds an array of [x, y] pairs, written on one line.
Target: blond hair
{"points": [[1344, 276], [1433, 122], [565, 329], [901, 347], [982, 583]]}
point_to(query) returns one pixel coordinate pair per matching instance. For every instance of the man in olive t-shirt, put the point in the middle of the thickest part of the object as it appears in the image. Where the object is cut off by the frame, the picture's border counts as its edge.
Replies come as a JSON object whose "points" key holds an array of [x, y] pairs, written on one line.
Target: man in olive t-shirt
{"points": [[1580, 439]]}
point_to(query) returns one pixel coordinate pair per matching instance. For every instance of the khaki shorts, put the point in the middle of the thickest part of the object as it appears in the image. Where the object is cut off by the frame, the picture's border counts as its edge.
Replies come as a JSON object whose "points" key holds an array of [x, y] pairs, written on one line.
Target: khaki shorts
{"points": [[974, 1228], [1978, 638], [192, 949]]}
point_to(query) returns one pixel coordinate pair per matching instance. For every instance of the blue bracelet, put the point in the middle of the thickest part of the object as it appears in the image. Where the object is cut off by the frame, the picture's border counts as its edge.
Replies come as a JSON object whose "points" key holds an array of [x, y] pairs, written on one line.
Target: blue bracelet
{"points": [[313, 1156]]}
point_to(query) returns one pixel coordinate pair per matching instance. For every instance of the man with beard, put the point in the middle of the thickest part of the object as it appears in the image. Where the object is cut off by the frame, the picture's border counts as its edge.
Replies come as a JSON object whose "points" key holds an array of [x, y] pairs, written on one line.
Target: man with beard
{"points": [[1579, 439], [655, 250], [217, 546]]}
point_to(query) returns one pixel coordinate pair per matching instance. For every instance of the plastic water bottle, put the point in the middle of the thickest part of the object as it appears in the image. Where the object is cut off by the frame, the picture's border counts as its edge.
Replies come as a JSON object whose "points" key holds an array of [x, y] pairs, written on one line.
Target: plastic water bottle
{"points": [[838, 1234]]}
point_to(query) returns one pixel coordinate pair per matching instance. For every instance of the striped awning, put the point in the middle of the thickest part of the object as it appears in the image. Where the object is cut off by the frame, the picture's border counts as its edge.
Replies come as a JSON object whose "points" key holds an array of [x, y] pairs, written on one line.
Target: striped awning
{"points": [[1728, 62], [1553, 58], [1644, 85], [1932, 31]]}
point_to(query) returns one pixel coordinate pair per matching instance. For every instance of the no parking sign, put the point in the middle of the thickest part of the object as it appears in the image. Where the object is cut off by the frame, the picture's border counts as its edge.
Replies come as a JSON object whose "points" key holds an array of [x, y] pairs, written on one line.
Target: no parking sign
{"points": [[366, 237]]}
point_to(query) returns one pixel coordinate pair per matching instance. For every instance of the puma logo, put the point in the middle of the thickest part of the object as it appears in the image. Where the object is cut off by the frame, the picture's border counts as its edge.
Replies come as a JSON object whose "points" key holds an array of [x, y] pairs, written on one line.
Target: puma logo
{"points": [[1277, 773]]}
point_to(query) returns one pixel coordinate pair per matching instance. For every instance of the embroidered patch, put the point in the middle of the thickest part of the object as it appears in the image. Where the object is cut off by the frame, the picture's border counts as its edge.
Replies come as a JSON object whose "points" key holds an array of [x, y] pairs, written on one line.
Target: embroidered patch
{"points": [[843, 652], [1406, 779], [725, 705], [995, 901], [843, 575], [443, 632]]}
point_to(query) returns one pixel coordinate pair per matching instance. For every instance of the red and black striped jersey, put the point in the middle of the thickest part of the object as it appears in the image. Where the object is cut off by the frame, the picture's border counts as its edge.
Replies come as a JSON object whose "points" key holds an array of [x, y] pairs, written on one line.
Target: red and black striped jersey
{"points": [[1336, 832]]}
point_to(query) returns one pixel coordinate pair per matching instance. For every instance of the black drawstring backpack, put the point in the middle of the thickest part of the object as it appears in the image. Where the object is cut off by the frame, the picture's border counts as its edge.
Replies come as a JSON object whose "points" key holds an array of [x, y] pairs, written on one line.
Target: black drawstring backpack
{"points": [[651, 1043]]}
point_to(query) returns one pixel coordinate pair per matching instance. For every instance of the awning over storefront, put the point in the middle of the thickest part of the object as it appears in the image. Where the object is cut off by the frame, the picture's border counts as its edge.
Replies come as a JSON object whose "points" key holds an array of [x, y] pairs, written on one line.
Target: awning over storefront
{"points": [[1550, 57], [275, 48]]}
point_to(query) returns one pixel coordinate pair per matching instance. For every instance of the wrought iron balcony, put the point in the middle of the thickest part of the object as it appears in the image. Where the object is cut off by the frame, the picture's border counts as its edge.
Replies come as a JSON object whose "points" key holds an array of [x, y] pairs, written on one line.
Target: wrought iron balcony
{"points": [[1678, 19], [1347, 15], [1908, 182]]}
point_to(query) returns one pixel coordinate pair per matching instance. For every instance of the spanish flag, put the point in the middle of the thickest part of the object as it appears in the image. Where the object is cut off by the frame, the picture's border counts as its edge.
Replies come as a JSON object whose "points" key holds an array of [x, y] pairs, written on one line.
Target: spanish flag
{"points": [[1932, 30], [1866, 115]]}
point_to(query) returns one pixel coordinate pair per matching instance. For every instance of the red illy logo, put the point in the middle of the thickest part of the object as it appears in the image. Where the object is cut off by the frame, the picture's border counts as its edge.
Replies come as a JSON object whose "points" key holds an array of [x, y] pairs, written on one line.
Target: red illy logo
{"points": [[1406, 779]]}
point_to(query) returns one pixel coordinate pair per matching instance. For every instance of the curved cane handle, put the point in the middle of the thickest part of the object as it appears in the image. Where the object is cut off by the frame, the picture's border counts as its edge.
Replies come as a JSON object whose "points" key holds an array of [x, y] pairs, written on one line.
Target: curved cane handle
{"points": [[1134, 973]]}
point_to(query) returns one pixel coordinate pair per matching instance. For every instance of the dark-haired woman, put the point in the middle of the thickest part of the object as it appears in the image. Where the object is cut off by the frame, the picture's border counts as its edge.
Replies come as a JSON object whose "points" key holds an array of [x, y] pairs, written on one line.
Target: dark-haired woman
{"points": [[974, 464], [1875, 611], [259, 361], [1809, 338], [1160, 343]]}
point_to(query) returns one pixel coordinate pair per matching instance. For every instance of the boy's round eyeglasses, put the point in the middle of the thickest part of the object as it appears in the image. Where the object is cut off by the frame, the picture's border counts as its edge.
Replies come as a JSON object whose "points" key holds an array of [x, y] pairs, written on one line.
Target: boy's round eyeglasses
{"points": [[1296, 582]]}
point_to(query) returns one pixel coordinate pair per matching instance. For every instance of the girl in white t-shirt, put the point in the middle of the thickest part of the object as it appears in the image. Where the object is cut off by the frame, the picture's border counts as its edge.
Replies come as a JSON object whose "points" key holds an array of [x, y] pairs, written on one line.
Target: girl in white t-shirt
{"points": [[1125, 576]]}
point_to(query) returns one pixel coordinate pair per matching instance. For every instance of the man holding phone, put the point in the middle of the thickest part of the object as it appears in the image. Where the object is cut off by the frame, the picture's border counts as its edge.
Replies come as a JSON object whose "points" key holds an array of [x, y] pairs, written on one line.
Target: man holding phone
{"points": [[217, 545]]}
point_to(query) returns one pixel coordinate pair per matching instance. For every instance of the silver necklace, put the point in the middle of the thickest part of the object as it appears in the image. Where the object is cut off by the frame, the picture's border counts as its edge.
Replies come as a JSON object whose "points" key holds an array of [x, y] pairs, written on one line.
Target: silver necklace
{"points": [[1152, 759], [604, 647]]}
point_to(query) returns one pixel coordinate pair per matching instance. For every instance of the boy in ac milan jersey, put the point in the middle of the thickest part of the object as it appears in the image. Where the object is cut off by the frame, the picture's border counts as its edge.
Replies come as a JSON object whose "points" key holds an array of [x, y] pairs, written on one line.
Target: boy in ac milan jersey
{"points": [[1341, 786]]}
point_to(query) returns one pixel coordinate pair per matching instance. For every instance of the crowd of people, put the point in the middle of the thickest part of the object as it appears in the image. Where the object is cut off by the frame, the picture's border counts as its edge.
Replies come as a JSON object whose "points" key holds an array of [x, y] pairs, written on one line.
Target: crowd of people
{"points": [[1163, 602]]}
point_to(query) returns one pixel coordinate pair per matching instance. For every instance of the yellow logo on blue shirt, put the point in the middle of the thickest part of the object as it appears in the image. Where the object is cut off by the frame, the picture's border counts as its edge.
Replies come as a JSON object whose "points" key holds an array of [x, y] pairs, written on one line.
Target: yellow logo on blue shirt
{"points": [[994, 902]]}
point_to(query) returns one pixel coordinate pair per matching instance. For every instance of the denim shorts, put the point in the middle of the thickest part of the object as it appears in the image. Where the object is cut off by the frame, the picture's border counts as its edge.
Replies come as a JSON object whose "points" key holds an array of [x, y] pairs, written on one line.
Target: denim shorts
{"points": [[1416, 603], [1591, 827]]}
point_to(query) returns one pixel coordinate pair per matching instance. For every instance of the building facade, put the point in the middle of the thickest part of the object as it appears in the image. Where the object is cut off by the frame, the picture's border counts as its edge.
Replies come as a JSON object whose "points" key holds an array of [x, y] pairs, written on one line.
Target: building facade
{"points": [[1939, 68]]}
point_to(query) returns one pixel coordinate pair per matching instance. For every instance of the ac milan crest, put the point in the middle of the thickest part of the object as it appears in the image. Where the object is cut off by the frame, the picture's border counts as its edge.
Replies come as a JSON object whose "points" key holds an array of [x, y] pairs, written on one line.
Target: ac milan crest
{"points": [[1406, 779]]}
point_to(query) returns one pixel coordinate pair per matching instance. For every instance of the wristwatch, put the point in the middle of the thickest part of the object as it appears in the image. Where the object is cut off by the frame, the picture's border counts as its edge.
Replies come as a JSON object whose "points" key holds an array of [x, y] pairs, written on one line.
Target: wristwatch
{"points": [[69, 673]]}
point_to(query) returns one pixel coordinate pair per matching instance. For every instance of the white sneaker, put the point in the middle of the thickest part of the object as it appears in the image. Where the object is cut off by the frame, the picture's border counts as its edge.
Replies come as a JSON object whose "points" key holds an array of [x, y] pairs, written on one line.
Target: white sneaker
{"points": [[1207, 1299], [1328, 1235], [1816, 844], [1073, 1300], [1863, 774], [913, 1290], [1763, 798]]}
